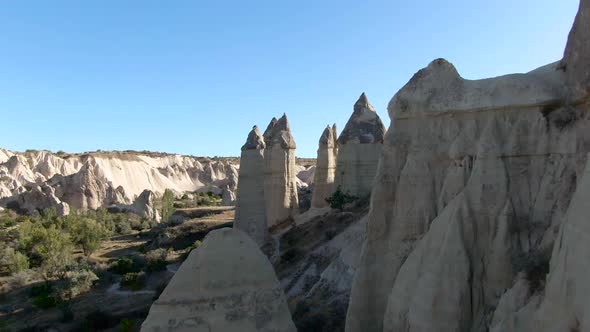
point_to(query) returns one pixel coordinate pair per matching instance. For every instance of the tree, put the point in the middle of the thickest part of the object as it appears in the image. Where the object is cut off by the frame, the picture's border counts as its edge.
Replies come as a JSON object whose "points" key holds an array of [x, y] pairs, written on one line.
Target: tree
{"points": [[167, 205], [88, 234], [14, 261], [54, 247]]}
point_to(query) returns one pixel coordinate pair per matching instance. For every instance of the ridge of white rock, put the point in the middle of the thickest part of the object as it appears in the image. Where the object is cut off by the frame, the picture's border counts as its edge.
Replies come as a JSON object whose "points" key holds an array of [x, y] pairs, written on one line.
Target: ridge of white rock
{"points": [[227, 284], [359, 148], [100, 179], [251, 206], [280, 187], [474, 174], [325, 168]]}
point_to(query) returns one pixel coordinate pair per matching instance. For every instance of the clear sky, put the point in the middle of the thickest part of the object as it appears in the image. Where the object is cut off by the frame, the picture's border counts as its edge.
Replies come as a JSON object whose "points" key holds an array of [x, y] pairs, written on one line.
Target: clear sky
{"points": [[192, 77]]}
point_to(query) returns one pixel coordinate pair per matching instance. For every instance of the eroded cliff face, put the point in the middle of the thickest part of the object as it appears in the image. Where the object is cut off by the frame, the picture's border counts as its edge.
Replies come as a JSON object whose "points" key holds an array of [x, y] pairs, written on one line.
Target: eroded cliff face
{"points": [[100, 179], [473, 192]]}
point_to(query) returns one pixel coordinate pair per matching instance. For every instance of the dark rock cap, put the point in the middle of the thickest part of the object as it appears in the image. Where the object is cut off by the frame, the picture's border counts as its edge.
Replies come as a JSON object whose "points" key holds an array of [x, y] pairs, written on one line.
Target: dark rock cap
{"points": [[364, 125], [255, 141], [279, 131]]}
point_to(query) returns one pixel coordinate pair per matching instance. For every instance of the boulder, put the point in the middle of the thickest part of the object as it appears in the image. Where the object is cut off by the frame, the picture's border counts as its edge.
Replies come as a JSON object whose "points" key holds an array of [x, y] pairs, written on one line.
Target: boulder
{"points": [[227, 284]]}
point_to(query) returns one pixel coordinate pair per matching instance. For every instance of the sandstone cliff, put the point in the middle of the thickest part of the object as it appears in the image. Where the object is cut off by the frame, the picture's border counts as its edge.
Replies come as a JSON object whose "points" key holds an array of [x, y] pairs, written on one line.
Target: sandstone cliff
{"points": [[473, 191]]}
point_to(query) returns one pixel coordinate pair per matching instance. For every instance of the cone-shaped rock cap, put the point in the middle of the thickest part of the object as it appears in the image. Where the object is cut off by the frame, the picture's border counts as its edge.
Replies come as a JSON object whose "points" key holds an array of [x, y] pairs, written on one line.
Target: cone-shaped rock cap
{"points": [[335, 133], [327, 138], [364, 125], [255, 140], [278, 131]]}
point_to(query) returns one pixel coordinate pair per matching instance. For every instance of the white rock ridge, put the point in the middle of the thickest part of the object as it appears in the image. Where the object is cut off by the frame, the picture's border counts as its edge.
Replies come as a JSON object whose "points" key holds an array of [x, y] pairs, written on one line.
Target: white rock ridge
{"points": [[101, 179], [475, 176], [227, 284], [325, 168], [359, 148], [251, 205]]}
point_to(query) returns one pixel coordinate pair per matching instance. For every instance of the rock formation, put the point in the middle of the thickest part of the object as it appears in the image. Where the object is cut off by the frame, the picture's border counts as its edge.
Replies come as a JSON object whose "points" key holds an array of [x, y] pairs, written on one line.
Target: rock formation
{"points": [[143, 206], [227, 284], [251, 207], [359, 148], [36, 199], [325, 168], [101, 179], [473, 185], [280, 188]]}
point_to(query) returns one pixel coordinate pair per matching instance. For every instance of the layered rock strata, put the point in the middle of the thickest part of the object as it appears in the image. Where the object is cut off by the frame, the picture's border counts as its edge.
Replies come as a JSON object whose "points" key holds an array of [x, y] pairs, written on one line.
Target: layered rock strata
{"points": [[227, 284], [325, 168], [251, 206], [359, 148], [472, 194]]}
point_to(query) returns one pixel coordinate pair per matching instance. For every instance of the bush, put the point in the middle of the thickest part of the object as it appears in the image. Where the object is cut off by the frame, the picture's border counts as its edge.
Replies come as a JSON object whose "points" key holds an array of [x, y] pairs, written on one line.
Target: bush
{"points": [[133, 280], [49, 248], [88, 234], [167, 205], [125, 265], [14, 261], [77, 281], [126, 325], [339, 199], [43, 297], [157, 259]]}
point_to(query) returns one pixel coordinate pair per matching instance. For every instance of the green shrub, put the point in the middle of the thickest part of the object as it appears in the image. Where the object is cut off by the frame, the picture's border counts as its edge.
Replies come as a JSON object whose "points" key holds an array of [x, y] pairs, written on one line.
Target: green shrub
{"points": [[126, 325], [125, 265], [88, 234], [14, 261], [133, 280], [43, 297], [76, 281], [45, 301], [167, 205], [339, 199], [157, 259]]}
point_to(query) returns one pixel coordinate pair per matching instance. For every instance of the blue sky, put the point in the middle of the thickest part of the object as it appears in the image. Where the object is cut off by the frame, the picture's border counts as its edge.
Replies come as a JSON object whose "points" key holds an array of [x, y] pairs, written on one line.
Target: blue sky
{"points": [[192, 77]]}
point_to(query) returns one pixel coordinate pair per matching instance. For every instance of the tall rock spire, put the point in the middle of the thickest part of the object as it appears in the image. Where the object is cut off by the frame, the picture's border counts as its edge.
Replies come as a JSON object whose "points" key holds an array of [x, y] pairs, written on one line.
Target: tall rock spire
{"points": [[251, 207], [359, 147], [280, 189], [325, 168]]}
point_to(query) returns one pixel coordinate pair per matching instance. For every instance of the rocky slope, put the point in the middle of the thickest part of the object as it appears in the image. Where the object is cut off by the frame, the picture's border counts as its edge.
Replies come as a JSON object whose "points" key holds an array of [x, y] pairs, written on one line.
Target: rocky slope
{"points": [[473, 193]]}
